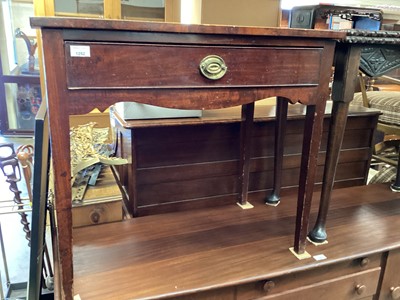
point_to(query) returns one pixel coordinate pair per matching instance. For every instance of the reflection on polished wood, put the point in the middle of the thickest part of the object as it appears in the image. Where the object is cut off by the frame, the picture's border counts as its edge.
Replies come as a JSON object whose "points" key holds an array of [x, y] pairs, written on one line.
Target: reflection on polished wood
{"points": [[227, 249]]}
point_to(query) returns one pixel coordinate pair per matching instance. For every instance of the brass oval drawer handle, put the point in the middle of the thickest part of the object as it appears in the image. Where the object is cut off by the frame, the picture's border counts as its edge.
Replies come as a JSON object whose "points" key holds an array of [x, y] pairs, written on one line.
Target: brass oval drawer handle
{"points": [[395, 292], [213, 67], [360, 289]]}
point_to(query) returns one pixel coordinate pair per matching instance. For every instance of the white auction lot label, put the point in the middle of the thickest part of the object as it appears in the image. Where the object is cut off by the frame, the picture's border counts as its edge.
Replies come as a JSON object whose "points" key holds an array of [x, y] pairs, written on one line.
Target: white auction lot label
{"points": [[79, 51]]}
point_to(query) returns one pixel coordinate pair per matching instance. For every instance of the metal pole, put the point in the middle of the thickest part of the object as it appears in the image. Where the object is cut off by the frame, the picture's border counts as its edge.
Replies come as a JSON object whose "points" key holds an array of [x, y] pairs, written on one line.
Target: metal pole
{"points": [[3, 255]]}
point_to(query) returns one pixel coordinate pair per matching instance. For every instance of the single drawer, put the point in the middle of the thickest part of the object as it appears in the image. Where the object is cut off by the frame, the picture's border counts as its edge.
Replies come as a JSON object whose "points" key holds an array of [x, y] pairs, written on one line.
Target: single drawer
{"points": [[350, 287], [354, 286], [102, 203], [97, 213], [116, 66], [355, 279]]}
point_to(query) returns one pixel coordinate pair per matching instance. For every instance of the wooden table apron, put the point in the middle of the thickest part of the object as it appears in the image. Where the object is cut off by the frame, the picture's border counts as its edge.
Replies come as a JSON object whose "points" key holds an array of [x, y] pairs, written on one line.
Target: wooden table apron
{"points": [[158, 64]]}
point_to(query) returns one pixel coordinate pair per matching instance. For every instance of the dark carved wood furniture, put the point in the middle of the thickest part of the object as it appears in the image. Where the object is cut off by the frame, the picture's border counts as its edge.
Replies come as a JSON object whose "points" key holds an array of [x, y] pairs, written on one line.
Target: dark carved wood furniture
{"points": [[377, 60], [322, 17], [347, 62], [181, 164], [95, 63], [363, 48]]}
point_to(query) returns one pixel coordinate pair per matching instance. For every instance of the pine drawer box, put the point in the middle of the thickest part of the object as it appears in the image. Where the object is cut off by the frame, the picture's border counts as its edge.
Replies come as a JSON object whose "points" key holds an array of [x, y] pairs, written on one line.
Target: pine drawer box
{"points": [[102, 203]]}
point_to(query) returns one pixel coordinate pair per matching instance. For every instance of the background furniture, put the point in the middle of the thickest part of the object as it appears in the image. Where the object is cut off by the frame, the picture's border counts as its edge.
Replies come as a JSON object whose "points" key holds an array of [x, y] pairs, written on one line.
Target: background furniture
{"points": [[20, 92], [367, 40], [347, 61], [377, 61], [335, 17], [26, 102], [181, 164]]}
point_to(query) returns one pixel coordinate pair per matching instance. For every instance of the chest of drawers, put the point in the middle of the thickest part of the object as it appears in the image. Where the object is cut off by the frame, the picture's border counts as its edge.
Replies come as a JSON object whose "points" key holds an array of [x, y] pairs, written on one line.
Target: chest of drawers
{"points": [[182, 164]]}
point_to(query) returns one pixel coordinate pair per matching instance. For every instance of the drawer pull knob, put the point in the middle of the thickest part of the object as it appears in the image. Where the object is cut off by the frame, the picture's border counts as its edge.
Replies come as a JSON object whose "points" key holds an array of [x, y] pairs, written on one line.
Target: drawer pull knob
{"points": [[360, 289], [95, 215], [213, 67], [364, 262], [395, 292], [268, 286]]}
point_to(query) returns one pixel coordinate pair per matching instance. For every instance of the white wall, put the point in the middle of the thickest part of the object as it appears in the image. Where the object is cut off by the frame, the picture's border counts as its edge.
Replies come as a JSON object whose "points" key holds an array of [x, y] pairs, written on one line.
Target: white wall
{"points": [[239, 12]]}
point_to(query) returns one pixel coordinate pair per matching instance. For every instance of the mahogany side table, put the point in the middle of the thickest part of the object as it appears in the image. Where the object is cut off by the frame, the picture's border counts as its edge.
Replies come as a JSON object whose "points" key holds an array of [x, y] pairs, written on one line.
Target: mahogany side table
{"points": [[95, 63]]}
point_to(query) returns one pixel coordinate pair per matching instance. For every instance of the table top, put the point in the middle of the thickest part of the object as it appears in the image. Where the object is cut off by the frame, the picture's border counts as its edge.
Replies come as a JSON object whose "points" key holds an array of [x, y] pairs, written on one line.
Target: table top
{"points": [[162, 27]]}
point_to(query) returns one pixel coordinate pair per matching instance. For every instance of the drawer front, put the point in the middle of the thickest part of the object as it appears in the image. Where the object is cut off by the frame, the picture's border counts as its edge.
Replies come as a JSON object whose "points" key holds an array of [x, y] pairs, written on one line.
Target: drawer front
{"points": [[111, 65], [359, 285], [299, 280], [96, 213]]}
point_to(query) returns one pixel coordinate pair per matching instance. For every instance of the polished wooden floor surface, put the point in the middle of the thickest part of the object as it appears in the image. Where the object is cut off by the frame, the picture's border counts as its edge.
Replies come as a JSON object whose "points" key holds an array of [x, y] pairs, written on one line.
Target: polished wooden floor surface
{"points": [[178, 253]]}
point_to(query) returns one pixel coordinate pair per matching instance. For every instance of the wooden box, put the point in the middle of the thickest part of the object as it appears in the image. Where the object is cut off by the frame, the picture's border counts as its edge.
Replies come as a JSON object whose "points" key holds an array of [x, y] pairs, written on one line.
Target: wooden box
{"points": [[102, 203], [192, 163]]}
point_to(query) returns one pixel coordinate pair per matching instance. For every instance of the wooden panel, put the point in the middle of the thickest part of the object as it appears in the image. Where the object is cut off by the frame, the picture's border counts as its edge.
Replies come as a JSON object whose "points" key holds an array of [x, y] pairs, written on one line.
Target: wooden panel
{"points": [[290, 177], [181, 172], [112, 66], [193, 144], [185, 153], [184, 190], [152, 193]]}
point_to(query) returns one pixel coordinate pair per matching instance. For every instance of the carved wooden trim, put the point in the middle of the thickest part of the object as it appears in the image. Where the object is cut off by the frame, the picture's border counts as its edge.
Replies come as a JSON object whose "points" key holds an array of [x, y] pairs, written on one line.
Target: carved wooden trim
{"points": [[377, 60], [355, 36], [348, 14]]}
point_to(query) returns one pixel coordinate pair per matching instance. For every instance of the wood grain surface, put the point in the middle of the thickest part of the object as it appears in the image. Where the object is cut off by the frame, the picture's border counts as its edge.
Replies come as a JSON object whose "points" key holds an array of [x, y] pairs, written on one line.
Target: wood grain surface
{"points": [[180, 253], [80, 23]]}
